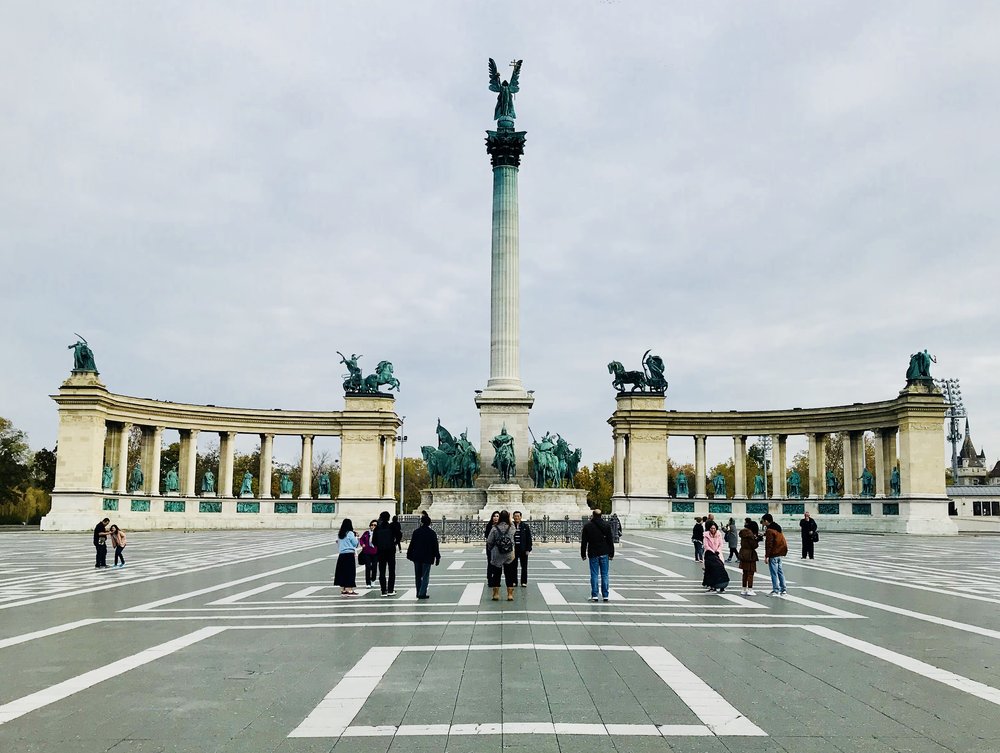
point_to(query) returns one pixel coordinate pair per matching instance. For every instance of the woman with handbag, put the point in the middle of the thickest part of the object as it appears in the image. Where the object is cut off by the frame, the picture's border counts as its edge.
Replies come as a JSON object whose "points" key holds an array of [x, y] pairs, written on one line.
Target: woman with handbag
{"points": [[369, 554]]}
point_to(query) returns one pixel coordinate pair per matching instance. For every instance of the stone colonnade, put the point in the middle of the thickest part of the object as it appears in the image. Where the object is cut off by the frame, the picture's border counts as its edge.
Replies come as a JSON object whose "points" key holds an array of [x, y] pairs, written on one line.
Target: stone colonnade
{"points": [[910, 427], [94, 427]]}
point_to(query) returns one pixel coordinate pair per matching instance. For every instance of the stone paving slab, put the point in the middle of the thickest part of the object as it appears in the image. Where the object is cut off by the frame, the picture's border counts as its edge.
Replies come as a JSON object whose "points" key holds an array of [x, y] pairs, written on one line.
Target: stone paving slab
{"points": [[225, 641]]}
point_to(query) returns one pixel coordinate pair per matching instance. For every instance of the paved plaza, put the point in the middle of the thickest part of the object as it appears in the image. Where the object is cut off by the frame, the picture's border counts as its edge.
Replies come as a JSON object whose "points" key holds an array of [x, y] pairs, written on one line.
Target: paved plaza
{"points": [[237, 641]]}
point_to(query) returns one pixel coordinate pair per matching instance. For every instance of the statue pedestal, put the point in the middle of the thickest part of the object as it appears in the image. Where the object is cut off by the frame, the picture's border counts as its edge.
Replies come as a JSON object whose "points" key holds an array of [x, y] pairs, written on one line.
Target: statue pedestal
{"points": [[246, 496], [758, 496], [208, 494], [284, 496], [508, 497], [322, 496], [173, 494]]}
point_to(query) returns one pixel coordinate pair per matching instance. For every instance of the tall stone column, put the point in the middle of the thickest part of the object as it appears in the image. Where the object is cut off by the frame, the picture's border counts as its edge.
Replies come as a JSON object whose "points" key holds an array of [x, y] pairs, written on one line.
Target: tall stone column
{"points": [[504, 402], [881, 483], [305, 490], [817, 466], [388, 465], [189, 461], [740, 467], [888, 455], [266, 456], [227, 446], [779, 461], [851, 470], [153, 474], [619, 485], [700, 491], [121, 468]]}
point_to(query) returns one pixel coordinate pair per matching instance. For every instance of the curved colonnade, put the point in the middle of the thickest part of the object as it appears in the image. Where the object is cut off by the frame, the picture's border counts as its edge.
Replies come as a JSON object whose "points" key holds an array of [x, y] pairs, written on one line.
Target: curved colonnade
{"points": [[94, 427], [908, 432]]}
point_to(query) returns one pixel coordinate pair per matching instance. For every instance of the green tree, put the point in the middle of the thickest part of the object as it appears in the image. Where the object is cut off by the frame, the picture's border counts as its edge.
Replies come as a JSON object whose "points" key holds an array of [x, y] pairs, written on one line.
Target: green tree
{"points": [[415, 479], [43, 469], [599, 481], [15, 471]]}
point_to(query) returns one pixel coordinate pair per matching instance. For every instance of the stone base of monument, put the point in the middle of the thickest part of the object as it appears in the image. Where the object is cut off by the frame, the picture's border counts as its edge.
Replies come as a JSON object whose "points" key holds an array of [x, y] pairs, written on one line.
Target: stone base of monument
{"points": [[208, 494], [284, 496], [173, 494], [247, 496], [322, 496], [758, 496], [480, 503]]}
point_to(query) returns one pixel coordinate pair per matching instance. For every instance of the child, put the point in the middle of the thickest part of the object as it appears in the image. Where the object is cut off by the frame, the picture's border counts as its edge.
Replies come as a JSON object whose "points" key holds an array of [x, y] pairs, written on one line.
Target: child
{"points": [[118, 542]]}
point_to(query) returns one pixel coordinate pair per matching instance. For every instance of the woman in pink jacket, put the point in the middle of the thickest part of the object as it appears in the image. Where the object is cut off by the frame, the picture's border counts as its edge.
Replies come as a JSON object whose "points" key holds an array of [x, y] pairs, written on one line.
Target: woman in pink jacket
{"points": [[716, 578]]}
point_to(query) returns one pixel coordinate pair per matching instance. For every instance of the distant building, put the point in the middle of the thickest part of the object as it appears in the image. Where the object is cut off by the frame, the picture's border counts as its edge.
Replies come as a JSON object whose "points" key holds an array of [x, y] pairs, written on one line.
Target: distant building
{"points": [[972, 469]]}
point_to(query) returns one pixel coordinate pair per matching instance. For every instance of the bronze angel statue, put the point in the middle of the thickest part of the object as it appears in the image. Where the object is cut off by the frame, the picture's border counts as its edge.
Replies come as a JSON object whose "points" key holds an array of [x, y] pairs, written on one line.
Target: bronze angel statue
{"points": [[505, 91]]}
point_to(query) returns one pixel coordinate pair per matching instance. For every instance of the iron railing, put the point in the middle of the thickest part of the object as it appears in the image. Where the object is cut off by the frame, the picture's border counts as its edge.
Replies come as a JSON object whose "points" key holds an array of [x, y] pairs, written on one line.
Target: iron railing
{"points": [[470, 530]]}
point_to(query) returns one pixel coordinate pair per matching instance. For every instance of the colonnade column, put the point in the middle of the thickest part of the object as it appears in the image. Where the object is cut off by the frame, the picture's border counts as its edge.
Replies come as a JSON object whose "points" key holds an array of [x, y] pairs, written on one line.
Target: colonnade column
{"points": [[227, 446], [888, 460], [851, 471], [305, 491], [881, 489], [740, 466], [779, 452], [699, 466], [189, 461], [817, 466], [619, 485], [121, 469], [266, 454], [153, 475], [388, 465]]}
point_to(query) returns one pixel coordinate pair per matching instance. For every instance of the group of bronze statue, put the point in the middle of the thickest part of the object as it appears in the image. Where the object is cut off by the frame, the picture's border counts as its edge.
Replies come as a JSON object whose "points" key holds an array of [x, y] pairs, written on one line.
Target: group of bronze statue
{"points": [[355, 382], [650, 379], [794, 481]]}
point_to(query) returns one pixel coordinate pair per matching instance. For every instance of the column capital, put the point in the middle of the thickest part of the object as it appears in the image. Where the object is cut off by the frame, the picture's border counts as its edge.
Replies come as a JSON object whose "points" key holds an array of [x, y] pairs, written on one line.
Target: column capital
{"points": [[505, 147], [266, 436]]}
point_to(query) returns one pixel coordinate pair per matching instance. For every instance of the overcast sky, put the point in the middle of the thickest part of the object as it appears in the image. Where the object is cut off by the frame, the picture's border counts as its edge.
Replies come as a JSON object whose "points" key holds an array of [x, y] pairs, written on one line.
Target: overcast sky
{"points": [[783, 200]]}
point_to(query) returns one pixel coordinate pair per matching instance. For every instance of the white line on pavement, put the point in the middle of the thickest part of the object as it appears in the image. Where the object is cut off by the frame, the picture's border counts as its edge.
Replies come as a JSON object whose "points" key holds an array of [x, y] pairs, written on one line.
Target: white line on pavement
{"points": [[471, 595], [559, 565], [551, 594], [654, 568], [457, 565], [244, 594], [24, 638]]}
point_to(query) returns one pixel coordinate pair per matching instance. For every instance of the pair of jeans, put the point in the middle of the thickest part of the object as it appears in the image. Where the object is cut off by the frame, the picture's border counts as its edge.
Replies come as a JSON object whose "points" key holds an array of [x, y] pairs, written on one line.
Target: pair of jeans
{"points": [[421, 574], [699, 550], [119, 555], [599, 564], [777, 575], [387, 561]]}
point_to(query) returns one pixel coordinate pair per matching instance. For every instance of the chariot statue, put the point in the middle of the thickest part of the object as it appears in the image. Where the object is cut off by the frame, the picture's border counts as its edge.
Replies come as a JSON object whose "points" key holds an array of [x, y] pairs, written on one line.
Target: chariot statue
{"points": [[650, 379], [356, 383]]}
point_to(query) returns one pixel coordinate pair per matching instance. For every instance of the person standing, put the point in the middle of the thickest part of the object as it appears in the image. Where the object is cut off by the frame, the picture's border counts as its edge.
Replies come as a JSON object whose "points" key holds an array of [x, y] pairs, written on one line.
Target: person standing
{"points": [[616, 527], [698, 539], [347, 545], [748, 556], [423, 551], [597, 545], [716, 578], [397, 532], [500, 549], [732, 540], [384, 540], [369, 554], [101, 543], [522, 545], [117, 536], [810, 535], [775, 547], [494, 519]]}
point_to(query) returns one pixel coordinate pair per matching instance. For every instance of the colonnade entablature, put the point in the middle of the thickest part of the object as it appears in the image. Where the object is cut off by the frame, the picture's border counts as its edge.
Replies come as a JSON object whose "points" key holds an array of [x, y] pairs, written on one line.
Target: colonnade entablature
{"points": [[907, 480], [92, 465]]}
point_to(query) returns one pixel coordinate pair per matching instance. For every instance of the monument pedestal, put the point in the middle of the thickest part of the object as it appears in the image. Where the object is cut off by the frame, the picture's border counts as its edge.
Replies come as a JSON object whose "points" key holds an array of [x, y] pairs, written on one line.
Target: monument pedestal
{"points": [[284, 496], [208, 494], [499, 409]]}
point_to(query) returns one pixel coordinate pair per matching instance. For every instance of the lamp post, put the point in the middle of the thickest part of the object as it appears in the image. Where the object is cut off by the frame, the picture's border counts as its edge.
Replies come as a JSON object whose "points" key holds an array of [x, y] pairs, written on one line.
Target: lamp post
{"points": [[952, 393], [765, 448], [401, 438]]}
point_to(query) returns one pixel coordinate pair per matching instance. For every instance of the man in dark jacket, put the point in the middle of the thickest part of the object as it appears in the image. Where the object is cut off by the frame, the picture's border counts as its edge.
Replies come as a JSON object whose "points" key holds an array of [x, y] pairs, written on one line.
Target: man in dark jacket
{"points": [[598, 545], [422, 552], [385, 542], [101, 543], [698, 539], [809, 528], [522, 545]]}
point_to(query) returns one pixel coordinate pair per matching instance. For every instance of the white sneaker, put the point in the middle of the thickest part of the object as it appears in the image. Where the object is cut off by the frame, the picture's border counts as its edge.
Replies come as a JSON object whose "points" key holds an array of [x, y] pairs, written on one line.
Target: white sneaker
{"points": [[751, 592], [774, 593], [743, 592]]}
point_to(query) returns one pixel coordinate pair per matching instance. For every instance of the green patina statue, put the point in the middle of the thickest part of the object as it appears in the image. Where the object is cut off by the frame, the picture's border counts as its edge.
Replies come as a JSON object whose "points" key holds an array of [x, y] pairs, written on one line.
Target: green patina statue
{"points": [[894, 482], [454, 462], [246, 488], [832, 485], [505, 92], [719, 484], [795, 485], [867, 483], [354, 382], [553, 462], [135, 479], [171, 482], [83, 356], [324, 484], [682, 485], [758, 486], [650, 379], [920, 367], [284, 484], [503, 460], [107, 476], [208, 482]]}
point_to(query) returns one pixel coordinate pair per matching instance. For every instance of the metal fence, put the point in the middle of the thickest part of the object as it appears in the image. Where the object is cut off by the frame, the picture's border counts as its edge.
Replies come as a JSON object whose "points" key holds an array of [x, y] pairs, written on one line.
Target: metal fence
{"points": [[470, 530]]}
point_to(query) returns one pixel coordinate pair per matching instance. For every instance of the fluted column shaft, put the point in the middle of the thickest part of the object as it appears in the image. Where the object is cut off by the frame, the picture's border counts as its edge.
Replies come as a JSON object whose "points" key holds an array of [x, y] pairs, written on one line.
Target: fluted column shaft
{"points": [[699, 467], [619, 483], [266, 454], [505, 326], [305, 491], [121, 470], [189, 461], [227, 446], [740, 467]]}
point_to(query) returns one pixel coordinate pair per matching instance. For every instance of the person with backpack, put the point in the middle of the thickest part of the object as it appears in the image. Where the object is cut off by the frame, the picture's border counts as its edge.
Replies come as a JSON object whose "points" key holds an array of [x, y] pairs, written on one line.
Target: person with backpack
{"points": [[500, 549], [597, 544], [732, 537], [384, 539], [775, 547]]}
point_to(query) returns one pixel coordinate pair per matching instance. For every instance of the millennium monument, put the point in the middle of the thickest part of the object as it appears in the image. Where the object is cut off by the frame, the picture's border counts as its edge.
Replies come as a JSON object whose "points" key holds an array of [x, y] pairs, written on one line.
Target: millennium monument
{"points": [[517, 472]]}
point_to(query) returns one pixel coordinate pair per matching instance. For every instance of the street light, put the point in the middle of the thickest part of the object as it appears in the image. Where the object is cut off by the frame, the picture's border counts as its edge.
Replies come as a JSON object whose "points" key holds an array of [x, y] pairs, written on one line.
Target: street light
{"points": [[765, 449], [952, 393], [401, 438]]}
